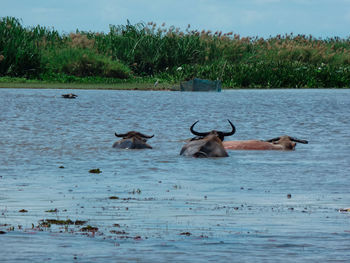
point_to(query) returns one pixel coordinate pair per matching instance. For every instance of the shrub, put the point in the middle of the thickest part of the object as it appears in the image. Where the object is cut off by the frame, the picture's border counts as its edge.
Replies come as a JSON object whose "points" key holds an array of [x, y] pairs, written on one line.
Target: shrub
{"points": [[84, 63]]}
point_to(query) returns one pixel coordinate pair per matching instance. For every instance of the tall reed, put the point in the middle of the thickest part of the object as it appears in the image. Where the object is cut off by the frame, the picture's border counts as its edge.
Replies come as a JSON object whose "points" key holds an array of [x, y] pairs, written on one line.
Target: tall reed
{"points": [[151, 51]]}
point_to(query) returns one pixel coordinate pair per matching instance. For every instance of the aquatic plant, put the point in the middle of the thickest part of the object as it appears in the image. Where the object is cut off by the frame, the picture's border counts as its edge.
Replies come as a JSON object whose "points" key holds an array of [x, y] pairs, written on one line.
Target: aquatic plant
{"points": [[89, 229]]}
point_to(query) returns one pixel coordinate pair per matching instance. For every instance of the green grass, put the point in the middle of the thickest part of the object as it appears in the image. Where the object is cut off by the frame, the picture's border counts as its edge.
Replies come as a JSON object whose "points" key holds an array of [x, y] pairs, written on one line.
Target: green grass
{"points": [[101, 86], [132, 54]]}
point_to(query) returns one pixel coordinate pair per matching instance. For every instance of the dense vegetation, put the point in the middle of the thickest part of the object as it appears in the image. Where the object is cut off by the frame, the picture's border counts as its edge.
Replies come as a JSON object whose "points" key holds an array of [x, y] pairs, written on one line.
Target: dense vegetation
{"points": [[138, 52]]}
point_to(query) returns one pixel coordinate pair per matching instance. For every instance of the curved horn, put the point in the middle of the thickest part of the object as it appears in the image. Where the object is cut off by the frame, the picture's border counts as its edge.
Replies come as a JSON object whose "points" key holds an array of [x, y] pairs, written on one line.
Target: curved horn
{"points": [[198, 133], [273, 140], [231, 132], [120, 135], [146, 136], [298, 140]]}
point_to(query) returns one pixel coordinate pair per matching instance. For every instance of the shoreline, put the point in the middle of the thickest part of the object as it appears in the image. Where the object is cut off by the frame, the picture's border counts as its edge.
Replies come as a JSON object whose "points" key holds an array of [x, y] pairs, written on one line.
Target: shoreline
{"points": [[145, 86], [87, 86]]}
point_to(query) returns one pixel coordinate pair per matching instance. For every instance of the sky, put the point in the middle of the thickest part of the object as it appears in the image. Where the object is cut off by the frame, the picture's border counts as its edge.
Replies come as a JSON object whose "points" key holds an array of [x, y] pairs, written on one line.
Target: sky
{"points": [[262, 18]]}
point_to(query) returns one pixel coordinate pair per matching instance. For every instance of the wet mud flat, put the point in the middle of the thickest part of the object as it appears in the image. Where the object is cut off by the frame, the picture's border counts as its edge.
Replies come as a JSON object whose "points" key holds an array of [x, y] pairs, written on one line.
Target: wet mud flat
{"points": [[176, 228], [67, 195]]}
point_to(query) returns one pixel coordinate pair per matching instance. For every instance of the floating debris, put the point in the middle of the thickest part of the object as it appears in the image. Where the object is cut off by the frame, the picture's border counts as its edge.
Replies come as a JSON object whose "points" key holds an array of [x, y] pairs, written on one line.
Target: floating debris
{"points": [[23, 211], [62, 222], [2, 232], [61, 167], [185, 234], [137, 191], [52, 210], [58, 222], [113, 197], [79, 222], [95, 171], [89, 229], [344, 210], [119, 232], [289, 196]]}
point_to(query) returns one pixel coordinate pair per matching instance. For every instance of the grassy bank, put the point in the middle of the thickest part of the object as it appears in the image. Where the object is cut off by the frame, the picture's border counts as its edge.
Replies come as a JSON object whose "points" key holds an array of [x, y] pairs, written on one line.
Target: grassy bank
{"points": [[144, 53], [35, 84]]}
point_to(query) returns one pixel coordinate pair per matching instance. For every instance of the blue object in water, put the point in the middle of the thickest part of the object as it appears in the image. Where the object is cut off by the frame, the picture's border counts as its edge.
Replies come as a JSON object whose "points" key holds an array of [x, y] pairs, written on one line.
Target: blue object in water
{"points": [[200, 85]]}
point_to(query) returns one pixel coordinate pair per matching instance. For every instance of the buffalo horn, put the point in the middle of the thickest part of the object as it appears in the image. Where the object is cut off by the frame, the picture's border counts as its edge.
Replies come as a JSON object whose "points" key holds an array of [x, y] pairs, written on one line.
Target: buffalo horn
{"points": [[146, 136], [120, 135], [198, 133], [231, 132], [298, 140]]}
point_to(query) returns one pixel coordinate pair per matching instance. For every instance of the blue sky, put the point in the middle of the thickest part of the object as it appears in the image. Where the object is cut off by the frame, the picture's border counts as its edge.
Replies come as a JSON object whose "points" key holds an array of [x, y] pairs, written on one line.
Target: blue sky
{"points": [[263, 18]]}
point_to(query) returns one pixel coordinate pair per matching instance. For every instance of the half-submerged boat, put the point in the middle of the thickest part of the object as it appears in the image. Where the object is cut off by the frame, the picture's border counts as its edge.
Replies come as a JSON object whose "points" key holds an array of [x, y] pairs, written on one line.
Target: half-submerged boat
{"points": [[200, 85]]}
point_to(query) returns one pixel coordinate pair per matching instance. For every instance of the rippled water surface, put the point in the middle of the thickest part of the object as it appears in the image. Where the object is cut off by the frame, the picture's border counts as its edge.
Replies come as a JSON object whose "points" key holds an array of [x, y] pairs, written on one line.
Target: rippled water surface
{"points": [[166, 207]]}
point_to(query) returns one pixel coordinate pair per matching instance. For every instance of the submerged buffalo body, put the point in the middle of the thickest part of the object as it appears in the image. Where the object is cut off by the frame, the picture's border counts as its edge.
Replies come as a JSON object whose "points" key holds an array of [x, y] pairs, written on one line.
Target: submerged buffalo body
{"points": [[207, 144], [284, 143], [69, 96], [132, 140]]}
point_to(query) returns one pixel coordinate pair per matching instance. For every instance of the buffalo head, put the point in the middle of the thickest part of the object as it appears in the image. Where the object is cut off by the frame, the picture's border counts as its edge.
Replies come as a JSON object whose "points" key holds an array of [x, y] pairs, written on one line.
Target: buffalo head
{"points": [[286, 142], [207, 144], [132, 140]]}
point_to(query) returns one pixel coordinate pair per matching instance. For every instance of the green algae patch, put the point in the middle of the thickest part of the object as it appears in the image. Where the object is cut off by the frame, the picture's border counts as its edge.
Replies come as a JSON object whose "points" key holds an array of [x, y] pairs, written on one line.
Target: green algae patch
{"points": [[52, 210], [79, 222], [62, 222], [89, 229]]}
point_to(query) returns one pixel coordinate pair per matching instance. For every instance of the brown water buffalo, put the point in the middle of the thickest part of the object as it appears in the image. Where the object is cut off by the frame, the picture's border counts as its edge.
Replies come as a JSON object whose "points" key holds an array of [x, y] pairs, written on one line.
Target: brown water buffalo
{"points": [[132, 140], [207, 144], [284, 143]]}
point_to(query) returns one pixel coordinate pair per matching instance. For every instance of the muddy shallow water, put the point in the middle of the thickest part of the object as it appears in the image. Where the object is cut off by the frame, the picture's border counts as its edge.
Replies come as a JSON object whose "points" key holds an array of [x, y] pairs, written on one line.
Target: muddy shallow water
{"points": [[156, 206]]}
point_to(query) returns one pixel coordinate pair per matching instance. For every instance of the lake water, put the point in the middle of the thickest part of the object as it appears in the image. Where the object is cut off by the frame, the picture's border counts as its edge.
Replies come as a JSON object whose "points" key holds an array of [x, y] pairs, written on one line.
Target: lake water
{"points": [[167, 207]]}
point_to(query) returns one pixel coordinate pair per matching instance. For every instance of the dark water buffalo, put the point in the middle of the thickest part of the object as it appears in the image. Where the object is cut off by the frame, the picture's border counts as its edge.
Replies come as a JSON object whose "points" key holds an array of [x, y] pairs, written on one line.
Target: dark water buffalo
{"points": [[132, 140], [69, 96], [207, 144], [284, 143]]}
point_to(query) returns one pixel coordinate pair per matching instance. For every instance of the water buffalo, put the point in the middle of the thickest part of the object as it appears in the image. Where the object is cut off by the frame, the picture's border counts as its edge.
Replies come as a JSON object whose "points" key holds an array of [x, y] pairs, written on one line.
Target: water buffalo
{"points": [[284, 143], [132, 140], [69, 96], [207, 144]]}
